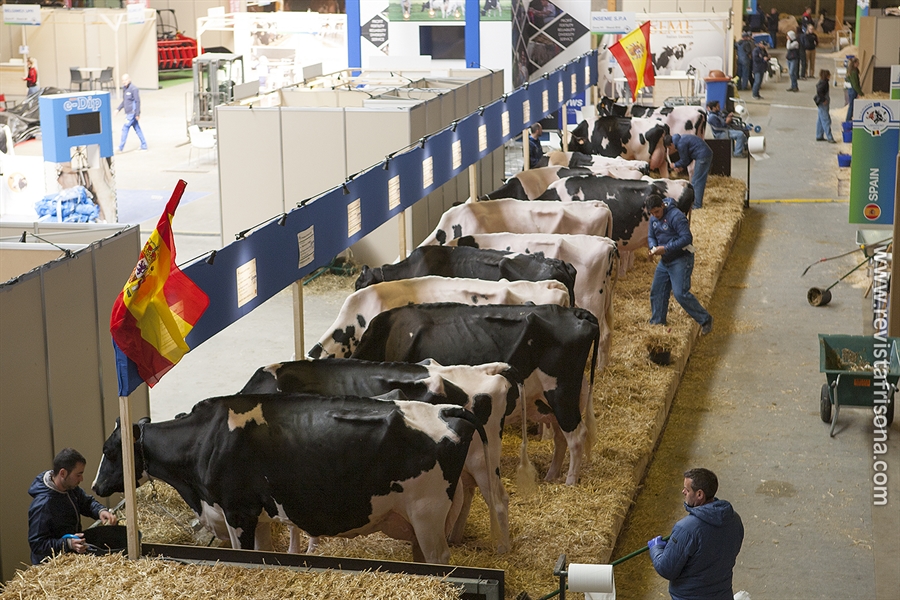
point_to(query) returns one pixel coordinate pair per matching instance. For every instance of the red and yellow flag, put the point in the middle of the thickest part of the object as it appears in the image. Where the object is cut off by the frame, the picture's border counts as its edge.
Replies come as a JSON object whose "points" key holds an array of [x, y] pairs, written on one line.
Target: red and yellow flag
{"points": [[159, 305], [633, 54]]}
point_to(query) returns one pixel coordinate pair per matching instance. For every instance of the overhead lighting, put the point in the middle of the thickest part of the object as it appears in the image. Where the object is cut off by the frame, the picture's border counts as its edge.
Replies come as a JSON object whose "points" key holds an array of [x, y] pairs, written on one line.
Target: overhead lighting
{"points": [[453, 125], [212, 258], [283, 219]]}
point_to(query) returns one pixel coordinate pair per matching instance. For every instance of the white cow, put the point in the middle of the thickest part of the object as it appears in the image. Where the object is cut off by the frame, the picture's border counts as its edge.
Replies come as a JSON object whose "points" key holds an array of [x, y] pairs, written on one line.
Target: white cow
{"points": [[617, 167]]}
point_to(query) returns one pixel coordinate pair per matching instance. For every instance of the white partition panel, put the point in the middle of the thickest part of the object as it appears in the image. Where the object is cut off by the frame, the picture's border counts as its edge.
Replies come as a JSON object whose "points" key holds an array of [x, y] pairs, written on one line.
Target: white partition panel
{"points": [[309, 171], [250, 166]]}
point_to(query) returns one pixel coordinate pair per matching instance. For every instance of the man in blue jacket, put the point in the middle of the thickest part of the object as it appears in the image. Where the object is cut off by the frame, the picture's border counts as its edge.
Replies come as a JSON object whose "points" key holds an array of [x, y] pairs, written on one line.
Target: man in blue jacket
{"points": [[691, 149], [131, 102], [54, 517], [698, 560], [670, 238]]}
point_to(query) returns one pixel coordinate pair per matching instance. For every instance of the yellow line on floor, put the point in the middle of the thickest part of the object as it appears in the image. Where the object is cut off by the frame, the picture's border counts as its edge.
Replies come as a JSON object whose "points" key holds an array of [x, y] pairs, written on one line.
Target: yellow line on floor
{"points": [[800, 201]]}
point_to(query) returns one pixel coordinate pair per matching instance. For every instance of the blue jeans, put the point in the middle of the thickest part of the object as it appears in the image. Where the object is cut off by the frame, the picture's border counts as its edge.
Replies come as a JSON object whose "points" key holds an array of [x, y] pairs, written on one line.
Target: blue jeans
{"points": [[823, 123], [32, 91], [701, 172], [794, 70], [744, 75], [675, 276], [131, 121], [740, 142], [757, 81], [851, 96]]}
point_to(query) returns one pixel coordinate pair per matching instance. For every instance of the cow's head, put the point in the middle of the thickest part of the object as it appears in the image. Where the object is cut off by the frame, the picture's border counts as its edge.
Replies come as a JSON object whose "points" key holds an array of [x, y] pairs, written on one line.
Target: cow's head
{"points": [[110, 474], [580, 136], [368, 277]]}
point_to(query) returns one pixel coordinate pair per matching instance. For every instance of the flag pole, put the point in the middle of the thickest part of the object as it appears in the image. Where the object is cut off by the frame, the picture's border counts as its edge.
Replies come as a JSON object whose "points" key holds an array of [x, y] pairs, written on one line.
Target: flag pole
{"points": [[131, 522]]}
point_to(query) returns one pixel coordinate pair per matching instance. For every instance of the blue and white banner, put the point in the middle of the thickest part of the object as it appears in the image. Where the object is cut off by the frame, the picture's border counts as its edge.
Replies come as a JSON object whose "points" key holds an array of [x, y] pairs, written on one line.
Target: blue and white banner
{"points": [[22, 14]]}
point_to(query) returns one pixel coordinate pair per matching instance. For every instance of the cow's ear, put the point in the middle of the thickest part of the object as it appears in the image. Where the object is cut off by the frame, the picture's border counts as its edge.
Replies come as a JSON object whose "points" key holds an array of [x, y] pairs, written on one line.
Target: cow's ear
{"points": [[144, 421]]}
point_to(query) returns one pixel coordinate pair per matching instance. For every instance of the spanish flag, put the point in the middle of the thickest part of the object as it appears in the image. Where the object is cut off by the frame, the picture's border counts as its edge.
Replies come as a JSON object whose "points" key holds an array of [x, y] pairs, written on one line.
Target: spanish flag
{"points": [[157, 308], [633, 54]]}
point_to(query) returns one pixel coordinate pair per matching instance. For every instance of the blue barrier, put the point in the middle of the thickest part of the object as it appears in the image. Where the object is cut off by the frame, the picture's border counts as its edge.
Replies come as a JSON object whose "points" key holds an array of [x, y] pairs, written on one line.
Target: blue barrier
{"points": [[322, 225]]}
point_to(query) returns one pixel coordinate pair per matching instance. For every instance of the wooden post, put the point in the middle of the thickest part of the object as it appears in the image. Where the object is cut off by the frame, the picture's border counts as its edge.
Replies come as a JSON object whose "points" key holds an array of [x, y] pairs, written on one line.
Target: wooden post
{"points": [[401, 226], [526, 151], [473, 182], [838, 18], [894, 298], [131, 521], [297, 294]]}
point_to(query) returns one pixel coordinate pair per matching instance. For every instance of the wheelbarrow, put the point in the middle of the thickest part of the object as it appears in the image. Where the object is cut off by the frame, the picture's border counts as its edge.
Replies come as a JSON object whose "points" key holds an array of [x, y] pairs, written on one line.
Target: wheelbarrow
{"points": [[849, 363]]}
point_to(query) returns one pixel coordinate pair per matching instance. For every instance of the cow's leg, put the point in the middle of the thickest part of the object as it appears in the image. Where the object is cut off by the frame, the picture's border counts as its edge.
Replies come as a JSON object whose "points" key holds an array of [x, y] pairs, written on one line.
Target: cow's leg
{"points": [[576, 442], [467, 482], [626, 261], [295, 543], [559, 453], [241, 529], [263, 538], [313, 546]]}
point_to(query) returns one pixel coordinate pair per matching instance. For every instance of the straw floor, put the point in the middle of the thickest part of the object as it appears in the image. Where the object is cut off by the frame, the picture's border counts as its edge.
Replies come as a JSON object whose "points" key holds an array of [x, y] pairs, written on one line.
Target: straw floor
{"points": [[631, 400]]}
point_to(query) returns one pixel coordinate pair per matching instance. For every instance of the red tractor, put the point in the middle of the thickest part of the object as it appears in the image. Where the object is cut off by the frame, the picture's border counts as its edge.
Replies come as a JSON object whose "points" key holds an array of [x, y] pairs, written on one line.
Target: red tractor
{"points": [[174, 50]]}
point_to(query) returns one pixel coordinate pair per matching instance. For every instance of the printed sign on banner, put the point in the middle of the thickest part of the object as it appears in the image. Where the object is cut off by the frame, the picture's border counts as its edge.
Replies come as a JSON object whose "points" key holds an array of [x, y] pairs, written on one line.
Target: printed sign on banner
{"points": [[547, 34], [873, 171], [612, 22], [22, 14]]}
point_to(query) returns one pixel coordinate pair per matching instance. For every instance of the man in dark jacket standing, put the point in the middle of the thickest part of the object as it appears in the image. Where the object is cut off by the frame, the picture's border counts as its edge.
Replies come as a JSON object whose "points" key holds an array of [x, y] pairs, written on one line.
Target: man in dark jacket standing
{"points": [[744, 49], [698, 560], [131, 102], [760, 64], [54, 517], [670, 239]]}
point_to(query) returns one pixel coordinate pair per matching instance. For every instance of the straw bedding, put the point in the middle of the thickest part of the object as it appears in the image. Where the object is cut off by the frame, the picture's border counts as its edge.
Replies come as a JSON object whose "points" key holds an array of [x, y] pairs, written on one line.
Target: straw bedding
{"points": [[631, 400]]}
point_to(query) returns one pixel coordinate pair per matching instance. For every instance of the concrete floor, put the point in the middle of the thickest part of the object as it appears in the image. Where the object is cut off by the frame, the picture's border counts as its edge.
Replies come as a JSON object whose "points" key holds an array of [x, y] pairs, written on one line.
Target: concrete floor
{"points": [[748, 406]]}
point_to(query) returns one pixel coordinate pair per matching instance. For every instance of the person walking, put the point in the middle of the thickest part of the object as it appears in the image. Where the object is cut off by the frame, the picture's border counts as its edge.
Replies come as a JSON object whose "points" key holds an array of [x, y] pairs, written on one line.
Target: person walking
{"points": [[823, 103], [810, 43], [744, 51], [699, 558], [31, 78], [131, 102], [691, 149], [760, 63], [670, 238], [772, 25], [54, 517], [793, 59], [854, 90]]}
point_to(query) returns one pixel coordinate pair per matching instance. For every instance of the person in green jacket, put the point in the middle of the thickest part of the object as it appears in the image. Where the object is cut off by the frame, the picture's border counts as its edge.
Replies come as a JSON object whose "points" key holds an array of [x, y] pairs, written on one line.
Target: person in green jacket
{"points": [[855, 91]]}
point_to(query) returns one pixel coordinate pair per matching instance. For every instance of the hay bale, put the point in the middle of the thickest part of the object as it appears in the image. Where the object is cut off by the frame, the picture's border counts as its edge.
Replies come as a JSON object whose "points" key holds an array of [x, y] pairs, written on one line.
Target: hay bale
{"points": [[629, 403]]}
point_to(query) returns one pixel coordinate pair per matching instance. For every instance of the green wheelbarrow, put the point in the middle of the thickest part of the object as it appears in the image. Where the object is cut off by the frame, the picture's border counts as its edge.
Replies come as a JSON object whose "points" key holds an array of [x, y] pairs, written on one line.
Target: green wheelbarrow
{"points": [[849, 362]]}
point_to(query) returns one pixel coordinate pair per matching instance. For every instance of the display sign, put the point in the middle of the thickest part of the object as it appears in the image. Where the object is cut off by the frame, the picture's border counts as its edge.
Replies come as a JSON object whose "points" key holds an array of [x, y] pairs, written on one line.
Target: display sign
{"points": [[306, 245], [895, 82], [22, 14], [482, 138], [75, 119], [873, 171], [545, 102], [245, 276], [612, 22], [376, 31], [354, 218], [573, 106], [427, 173], [526, 111], [546, 35], [560, 92], [504, 123], [393, 192], [457, 154], [135, 14]]}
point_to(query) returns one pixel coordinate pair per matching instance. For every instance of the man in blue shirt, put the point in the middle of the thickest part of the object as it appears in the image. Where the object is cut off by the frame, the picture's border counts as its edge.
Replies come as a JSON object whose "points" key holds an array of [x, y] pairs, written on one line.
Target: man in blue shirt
{"points": [[131, 102], [535, 150], [698, 560], [691, 149], [670, 238], [744, 50], [723, 127]]}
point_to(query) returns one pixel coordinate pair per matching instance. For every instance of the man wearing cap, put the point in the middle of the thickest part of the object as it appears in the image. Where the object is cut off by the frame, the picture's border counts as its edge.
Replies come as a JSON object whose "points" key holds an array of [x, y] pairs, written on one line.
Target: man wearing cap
{"points": [[744, 50]]}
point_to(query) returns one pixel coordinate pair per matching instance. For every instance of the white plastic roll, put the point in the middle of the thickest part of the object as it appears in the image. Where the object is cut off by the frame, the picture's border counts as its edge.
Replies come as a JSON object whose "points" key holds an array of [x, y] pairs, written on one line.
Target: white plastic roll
{"points": [[757, 144], [591, 578]]}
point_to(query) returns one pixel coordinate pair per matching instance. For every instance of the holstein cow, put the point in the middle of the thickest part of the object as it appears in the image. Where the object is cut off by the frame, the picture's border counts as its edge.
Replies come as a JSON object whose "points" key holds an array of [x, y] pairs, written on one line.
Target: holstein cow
{"points": [[626, 201], [630, 138], [472, 263], [594, 258], [362, 305], [332, 466], [490, 392], [617, 167], [680, 119], [518, 216], [530, 184], [548, 345]]}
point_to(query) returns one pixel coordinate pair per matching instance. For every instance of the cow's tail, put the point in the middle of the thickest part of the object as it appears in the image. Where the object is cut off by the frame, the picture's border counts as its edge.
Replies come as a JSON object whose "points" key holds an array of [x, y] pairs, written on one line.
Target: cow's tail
{"points": [[590, 419], [526, 474]]}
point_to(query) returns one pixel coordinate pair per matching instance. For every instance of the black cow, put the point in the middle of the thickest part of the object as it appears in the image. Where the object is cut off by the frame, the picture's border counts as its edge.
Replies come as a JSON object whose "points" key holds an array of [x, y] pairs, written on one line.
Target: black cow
{"points": [[472, 263], [328, 465], [490, 392], [547, 344]]}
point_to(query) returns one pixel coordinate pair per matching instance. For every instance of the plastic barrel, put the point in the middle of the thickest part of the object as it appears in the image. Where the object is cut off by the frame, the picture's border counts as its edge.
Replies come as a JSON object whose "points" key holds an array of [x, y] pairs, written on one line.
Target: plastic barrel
{"points": [[843, 160], [847, 126], [848, 136]]}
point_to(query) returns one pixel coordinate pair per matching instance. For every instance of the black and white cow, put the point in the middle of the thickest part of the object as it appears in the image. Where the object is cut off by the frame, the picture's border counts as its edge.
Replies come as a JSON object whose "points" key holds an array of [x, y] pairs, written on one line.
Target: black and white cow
{"points": [[472, 263], [680, 119], [629, 137], [341, 339], [530, 184], [548, 345], [595, 258], [626, 201], [335, 466], [518, 216], [490, 392]]}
